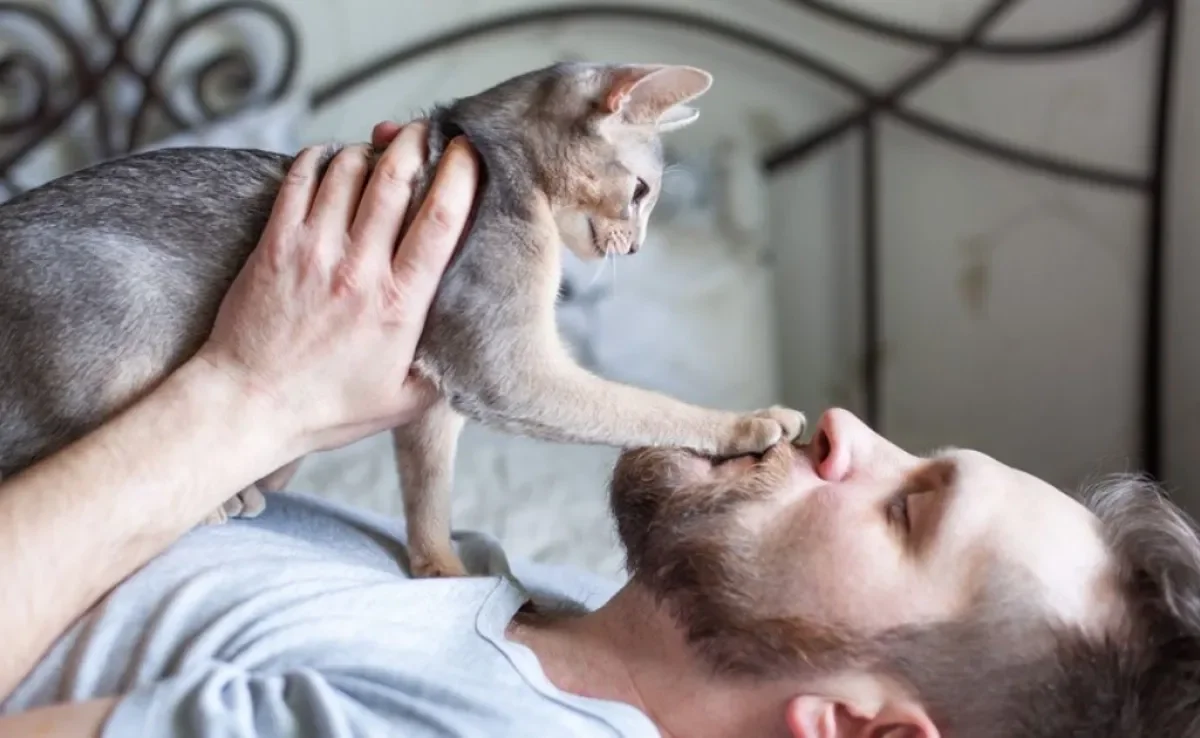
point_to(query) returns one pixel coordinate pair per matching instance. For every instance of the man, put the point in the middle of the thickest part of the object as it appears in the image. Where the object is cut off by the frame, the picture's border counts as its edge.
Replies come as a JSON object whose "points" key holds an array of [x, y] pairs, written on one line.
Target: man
{"points": [[839, 588]]}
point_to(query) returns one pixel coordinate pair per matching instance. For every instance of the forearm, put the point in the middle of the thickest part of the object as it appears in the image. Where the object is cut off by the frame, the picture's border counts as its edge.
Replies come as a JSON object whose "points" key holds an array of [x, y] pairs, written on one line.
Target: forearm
{"points": [[73, 720], [76, 524]]}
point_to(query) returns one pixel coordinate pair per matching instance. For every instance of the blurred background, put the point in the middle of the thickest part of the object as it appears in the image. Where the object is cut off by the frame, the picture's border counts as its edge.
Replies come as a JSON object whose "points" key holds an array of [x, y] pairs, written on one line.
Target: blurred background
{"points": [[825, 238]]}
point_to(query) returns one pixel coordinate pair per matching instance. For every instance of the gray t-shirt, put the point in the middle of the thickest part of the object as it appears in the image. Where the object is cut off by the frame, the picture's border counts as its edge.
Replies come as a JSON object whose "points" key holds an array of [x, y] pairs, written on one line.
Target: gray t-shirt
{"points": [[303, 623]]}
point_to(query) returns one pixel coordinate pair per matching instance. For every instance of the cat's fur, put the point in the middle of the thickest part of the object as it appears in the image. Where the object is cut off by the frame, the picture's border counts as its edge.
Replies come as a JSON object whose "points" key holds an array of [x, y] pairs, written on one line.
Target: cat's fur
{"points": [[111, 276]]}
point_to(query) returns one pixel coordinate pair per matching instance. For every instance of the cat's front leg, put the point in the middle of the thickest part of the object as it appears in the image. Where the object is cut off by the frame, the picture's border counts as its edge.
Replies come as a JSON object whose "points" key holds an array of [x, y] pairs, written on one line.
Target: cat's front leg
{"points": [[553, 398], [425, 451]]}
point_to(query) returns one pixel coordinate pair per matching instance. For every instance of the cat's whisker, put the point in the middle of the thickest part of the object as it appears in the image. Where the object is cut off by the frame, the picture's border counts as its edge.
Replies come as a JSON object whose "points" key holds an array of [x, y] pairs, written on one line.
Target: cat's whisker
{"points": [[596, 275]]}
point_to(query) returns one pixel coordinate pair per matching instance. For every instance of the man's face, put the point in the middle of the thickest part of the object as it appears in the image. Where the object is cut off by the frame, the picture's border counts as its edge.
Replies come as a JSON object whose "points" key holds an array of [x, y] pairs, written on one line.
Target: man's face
{"points": [[853, 534]]}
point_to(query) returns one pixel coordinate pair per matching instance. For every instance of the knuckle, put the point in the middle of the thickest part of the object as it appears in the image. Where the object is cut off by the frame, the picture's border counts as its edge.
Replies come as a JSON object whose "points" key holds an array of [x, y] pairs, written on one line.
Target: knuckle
{"points": [[350, 161], [279, 243], [347, 281], [401, 162], [296, 178], [411, 280], [407, 274], [393, 300], [397, 172], [305, 253], [300, 173], [441, 219]]}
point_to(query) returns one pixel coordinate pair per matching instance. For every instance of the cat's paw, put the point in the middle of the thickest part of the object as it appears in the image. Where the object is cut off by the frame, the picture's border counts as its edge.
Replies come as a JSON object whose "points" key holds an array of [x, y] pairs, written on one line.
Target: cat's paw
{"points": [[253, 502], [436, 566], [792, 421], [249, 503], [233, 506], [760, 430], [216, 517]]}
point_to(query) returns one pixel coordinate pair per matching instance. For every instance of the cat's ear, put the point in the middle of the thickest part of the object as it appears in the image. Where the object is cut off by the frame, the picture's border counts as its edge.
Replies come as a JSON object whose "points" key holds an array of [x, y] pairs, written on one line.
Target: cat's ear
{"points": [[655, 94], [676, 118]]}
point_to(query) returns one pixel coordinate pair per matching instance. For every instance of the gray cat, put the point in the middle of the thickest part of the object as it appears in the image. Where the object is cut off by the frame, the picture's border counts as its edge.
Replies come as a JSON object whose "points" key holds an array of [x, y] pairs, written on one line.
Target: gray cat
{"points": [[110, 277]]}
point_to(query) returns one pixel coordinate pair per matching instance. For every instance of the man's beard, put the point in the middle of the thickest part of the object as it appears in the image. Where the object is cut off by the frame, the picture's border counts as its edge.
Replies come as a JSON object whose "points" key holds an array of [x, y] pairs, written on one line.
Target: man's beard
{"points": [[687, 544]]}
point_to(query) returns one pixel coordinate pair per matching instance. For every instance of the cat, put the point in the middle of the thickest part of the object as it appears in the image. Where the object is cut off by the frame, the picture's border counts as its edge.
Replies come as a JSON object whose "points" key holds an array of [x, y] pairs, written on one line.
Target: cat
{"points": [[111, 276]]}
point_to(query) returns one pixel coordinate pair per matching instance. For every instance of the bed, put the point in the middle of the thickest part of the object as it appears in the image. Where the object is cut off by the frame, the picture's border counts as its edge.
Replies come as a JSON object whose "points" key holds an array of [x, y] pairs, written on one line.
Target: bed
{"points": [[695, 315]]}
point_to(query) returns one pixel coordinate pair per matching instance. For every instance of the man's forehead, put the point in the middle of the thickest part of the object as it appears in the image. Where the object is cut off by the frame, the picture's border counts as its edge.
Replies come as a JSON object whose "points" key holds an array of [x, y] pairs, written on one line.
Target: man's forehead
{"points": [[1027, 525]]}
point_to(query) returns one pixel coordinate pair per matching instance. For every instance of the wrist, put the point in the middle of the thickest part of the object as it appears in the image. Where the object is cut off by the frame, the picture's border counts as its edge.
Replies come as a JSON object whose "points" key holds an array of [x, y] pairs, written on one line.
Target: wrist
{"points": [[253, 411]]}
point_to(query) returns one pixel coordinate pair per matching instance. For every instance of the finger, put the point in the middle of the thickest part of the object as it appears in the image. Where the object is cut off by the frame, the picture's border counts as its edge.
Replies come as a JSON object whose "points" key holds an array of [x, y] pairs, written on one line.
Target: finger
{"points": [[296, 191], [419, 395], [385, 200], [431, 239], [337, 197], [383, 133]]}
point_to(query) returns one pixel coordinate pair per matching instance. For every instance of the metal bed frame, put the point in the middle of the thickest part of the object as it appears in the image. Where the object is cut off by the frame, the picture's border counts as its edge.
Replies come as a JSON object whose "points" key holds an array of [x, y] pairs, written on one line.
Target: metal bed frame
{"points": [[23, 132]]}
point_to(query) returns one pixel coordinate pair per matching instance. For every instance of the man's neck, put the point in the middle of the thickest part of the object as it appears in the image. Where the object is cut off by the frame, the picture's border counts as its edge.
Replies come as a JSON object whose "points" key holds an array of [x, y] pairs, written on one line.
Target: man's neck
{"points": [[632, 651]]}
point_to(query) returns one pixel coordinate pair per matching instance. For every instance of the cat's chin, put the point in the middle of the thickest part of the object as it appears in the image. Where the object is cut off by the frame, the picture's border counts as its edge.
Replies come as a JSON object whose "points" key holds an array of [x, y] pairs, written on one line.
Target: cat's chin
{"points": [[586, 251]]}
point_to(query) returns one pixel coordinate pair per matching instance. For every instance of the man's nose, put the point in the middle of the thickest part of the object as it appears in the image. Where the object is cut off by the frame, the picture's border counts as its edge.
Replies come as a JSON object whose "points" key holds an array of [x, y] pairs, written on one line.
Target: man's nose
{"points": [[849, 447]]}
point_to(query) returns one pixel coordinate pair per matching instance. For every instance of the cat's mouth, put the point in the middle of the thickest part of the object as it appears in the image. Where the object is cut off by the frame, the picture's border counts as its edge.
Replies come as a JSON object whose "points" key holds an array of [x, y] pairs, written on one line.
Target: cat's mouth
{"points": [[600, 250]]}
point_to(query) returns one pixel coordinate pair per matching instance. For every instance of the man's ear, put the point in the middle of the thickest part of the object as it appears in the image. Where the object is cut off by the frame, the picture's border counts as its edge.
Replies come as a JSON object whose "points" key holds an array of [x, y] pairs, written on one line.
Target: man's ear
{"points": [[814, 716]]}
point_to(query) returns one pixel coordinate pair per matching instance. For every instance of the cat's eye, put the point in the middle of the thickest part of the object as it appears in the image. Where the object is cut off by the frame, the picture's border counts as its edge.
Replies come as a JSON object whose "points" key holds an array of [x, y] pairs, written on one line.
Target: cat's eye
{"points": [[640, 191]]}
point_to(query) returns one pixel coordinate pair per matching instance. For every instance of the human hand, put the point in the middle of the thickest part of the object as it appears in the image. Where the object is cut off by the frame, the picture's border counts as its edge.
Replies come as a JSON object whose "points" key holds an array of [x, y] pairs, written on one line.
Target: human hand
{"points": [[324, 318]]}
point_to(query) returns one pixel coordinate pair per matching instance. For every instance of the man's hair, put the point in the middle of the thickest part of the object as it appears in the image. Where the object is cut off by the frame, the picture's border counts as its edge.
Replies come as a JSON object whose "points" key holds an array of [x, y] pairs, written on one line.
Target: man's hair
{"points": [[1011, 674]]}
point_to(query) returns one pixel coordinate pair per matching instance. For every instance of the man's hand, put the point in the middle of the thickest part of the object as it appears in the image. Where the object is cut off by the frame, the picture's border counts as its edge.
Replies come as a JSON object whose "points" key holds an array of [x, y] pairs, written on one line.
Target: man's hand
{"points": [[325, 317], [311, 349]]}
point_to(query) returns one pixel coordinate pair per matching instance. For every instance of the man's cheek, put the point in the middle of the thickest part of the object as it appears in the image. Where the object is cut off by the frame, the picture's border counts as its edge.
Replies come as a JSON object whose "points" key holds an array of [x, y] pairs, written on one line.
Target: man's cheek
{"points": [[825, 518], [839, 544]]}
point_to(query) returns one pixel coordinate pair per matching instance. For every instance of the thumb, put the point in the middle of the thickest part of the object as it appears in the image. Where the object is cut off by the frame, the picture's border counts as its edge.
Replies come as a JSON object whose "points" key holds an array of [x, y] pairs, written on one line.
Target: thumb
{"points": [[383, 133], [418, 394]]}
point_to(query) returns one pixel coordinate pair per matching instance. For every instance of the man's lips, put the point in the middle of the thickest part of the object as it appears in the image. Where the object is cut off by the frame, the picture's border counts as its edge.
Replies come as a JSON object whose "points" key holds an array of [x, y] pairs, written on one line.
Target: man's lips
{"points": [[802, 456], [814, 450]]}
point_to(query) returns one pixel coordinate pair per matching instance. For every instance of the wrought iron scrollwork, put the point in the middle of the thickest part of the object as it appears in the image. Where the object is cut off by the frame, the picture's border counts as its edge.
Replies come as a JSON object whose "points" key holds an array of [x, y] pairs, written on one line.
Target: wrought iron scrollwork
{"points": [[229, 73]]}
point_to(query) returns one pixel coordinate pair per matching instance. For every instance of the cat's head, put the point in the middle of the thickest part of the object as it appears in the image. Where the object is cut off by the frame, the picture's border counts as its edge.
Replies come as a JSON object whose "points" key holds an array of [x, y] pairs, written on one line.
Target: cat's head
{"points": [[595, 141]]}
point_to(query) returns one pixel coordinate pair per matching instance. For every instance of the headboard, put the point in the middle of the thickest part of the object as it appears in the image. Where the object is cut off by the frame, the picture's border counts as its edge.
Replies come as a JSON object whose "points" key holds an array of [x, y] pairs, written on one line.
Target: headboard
{"points": [[229, 82]]}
